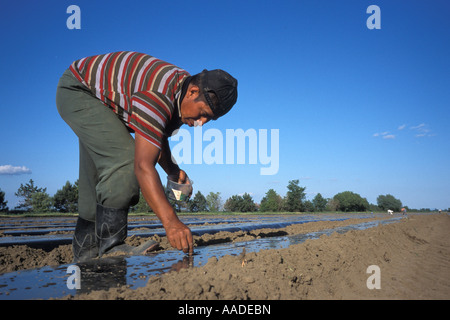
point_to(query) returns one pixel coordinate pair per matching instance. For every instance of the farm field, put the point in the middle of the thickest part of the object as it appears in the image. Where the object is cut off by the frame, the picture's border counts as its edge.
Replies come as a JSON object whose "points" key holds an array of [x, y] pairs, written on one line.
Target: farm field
{"points": [[239, 257]]}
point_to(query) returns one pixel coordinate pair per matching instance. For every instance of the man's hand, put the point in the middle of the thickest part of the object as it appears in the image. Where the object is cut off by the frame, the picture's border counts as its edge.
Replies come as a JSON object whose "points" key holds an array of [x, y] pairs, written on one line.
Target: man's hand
{"points": [[180, 236], [183, 177]]}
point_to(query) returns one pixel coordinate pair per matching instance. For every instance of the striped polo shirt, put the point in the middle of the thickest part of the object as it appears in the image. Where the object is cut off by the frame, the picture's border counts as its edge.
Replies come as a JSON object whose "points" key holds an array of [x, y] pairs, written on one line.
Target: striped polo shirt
{"points": [[142, 90]]}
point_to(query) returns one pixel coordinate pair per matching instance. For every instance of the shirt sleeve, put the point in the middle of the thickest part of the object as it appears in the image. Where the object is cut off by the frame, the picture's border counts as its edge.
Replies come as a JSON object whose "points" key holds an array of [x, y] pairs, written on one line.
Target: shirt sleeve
{"points": [[150, 113]]}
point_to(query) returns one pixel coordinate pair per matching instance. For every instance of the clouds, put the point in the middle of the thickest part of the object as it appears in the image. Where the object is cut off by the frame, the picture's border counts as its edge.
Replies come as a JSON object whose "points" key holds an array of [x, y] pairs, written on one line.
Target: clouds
{"points": [[384, 135], [10, 170], [422, 130], [418, 131]]}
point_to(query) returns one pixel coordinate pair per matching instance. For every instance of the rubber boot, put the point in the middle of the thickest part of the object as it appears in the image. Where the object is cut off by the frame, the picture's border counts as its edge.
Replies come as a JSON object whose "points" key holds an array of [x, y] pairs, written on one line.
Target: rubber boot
{"points": [[111, 231], [110, 227], [84, 243]]}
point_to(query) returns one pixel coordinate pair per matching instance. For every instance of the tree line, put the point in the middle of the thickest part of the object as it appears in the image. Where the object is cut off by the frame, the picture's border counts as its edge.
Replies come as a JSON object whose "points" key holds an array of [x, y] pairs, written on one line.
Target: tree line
{"points": [[35, 199], [295, 201]]}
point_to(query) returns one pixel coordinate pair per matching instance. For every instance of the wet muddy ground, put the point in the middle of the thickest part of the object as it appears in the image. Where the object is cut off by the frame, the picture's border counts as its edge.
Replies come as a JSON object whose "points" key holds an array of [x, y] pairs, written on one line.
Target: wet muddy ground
{"points": [[239, 257], [27, 243]]}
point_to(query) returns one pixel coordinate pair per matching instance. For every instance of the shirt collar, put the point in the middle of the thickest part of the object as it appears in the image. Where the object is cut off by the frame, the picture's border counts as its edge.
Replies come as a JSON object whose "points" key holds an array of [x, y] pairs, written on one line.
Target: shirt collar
{"points": [[180, 95], [177, 97]]}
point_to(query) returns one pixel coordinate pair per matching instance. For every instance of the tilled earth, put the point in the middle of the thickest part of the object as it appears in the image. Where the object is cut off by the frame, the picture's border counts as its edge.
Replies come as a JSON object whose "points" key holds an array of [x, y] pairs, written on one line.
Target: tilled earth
{"points": [[413, 257]]}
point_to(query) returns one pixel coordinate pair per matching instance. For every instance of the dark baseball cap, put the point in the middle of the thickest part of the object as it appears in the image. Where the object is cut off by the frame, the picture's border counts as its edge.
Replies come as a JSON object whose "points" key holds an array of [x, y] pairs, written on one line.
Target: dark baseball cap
{"points": [[224, 86]]}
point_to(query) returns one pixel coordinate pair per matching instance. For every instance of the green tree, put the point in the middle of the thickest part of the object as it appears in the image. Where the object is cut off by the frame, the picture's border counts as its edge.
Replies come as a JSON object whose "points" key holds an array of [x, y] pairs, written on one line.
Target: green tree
{"points": [[319, 203], [389, 202], [26, 192], [294, 196], [142, 206], [41, 202], [271, 202], [66, 198], [3, 202], [233, 203], [213, 201], [238, 203], [198, 203], [307, 206], [332, 205], [350, 201], [374, 207], [248, 205]]}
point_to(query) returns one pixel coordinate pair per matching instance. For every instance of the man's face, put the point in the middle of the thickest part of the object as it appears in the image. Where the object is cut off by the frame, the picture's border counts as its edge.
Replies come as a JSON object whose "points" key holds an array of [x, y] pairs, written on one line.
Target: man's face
{"points": [[192, 111]]}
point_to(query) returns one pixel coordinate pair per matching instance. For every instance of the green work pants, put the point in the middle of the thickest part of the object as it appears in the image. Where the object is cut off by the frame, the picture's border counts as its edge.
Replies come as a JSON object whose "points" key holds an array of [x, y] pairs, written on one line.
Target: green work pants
{"points": [[106, 173]]}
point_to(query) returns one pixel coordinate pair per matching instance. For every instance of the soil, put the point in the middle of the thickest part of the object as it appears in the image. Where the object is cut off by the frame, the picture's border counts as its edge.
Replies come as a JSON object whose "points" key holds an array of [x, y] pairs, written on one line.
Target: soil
{"points": [[413, 257]]}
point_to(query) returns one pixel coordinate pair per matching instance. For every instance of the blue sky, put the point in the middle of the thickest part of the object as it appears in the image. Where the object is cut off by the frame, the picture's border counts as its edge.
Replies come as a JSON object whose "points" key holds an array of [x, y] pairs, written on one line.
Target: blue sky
{"points": [[357, 109]]}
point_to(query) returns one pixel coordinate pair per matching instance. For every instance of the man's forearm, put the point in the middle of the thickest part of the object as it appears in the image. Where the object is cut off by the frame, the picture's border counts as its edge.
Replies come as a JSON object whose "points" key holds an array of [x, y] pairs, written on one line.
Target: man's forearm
{"points": [[145, 159], [178, 234], [153, 192]]}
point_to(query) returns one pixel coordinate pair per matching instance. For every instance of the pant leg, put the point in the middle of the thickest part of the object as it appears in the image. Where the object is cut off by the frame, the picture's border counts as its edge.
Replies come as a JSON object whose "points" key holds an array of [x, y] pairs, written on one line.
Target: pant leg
{"points": [[105, 140], [87, 184]]}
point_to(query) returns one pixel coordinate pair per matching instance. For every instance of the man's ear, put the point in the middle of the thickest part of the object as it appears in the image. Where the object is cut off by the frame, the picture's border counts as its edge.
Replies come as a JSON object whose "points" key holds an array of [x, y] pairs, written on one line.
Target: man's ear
{"points": [[193, 91]]}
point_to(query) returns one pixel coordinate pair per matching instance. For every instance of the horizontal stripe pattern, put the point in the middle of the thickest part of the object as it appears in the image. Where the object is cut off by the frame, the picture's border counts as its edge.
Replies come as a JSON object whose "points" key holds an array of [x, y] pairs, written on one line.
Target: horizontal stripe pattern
{"points": [[139, 88]]}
